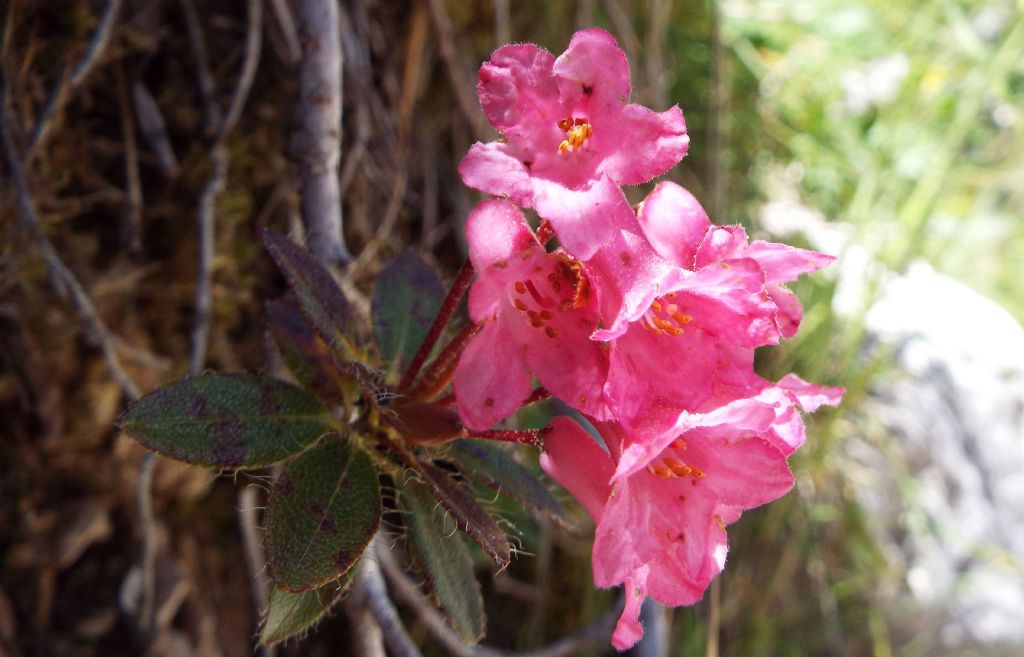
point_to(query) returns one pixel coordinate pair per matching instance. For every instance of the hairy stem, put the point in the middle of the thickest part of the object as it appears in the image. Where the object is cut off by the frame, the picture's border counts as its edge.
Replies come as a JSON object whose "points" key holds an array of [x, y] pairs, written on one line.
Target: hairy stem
{"points": [[533, 437]]}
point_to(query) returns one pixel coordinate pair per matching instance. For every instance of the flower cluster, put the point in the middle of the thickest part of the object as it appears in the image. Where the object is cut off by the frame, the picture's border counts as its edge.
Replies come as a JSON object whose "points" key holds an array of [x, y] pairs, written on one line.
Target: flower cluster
{"points": [[644, 320]]}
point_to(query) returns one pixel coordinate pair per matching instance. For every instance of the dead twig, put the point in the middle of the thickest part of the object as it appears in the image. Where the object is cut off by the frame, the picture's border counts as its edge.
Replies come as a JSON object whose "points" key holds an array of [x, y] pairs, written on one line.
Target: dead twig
{"points": [[70, 81], [204, 279], [657, 622], [207, 86], [250, 62], [255, 559], [370, 593], [405, 590], [465, 94], [623, 25], [144, 504], [659, 15], [154, 129], [316, 143], [215, 184], [714, 618], [286, 22], [64, 279], [133, 185], [502, 22], [718, 104], [386, 229]]}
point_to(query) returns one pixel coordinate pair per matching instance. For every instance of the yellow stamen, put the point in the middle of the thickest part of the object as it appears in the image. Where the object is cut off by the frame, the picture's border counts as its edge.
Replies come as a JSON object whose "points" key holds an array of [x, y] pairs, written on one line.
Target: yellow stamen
{"points": [[577, 131]]}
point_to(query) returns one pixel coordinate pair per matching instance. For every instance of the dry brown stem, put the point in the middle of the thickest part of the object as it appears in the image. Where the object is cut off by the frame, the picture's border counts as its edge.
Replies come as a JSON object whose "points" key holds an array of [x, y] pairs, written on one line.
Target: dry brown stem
{"points": [[316, 143]]}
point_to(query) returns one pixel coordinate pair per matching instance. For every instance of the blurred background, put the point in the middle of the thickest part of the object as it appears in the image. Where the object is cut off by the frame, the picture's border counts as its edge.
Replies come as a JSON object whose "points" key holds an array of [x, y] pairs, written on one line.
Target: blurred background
{"points": [[889, 134]]}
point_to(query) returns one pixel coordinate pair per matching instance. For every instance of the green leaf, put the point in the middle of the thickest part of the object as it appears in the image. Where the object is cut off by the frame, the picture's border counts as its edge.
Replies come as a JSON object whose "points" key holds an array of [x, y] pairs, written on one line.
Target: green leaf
{"points": [[289, 614], [406, 297], [502, 473], [308, 357], [319, 296], [447, 562], [227, 420], [322, 512], [467, 512]]}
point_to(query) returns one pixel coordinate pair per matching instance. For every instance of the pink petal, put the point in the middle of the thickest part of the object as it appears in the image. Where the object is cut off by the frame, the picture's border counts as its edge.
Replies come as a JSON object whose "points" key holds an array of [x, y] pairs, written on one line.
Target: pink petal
{"points": [[721, 243], [584, 220], [628, 274], [641, 444], [639, 143], [728, 299], [496, 231], [674, 223], [646, 371], [492, 168], [623, 540], [811, 396], [484, 392], [518, 92], [740, 472], [486, 296], [790, 312], [592, 71], [628, 630], [788, 432], [649, 518], [575, 460], [675, 587], [566, 361], [783, 263]]}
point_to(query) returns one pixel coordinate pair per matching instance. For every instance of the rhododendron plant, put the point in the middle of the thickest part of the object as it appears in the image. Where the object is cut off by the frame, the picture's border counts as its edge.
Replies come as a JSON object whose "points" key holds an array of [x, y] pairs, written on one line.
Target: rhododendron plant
{"points": [[642, 321]]}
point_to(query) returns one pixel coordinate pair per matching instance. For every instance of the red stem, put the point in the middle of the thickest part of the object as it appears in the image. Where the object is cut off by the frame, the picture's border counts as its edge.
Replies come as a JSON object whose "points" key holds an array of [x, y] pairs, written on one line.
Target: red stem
{"points": [[538, 394], [451, 301], [443, 368], [533, 437]]}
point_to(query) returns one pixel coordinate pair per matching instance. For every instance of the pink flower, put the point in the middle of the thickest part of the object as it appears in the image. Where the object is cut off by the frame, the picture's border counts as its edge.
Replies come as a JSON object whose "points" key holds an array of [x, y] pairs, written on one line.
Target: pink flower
{"points": [[566, 124], [662, 501], [679, 231], [725, 297], [661, 525], [537, 315], [686, 341]]}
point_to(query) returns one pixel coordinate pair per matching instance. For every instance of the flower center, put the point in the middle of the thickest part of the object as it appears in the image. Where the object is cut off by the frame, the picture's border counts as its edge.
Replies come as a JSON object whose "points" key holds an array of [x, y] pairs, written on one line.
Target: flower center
{"points": [[577, 131], [566, 287], [671, 464], [665, 317]]}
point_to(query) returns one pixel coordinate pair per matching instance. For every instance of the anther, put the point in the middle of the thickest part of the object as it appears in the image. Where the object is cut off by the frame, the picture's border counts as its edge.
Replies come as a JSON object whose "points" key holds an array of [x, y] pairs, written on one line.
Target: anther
{"points": [[576, 131]]}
